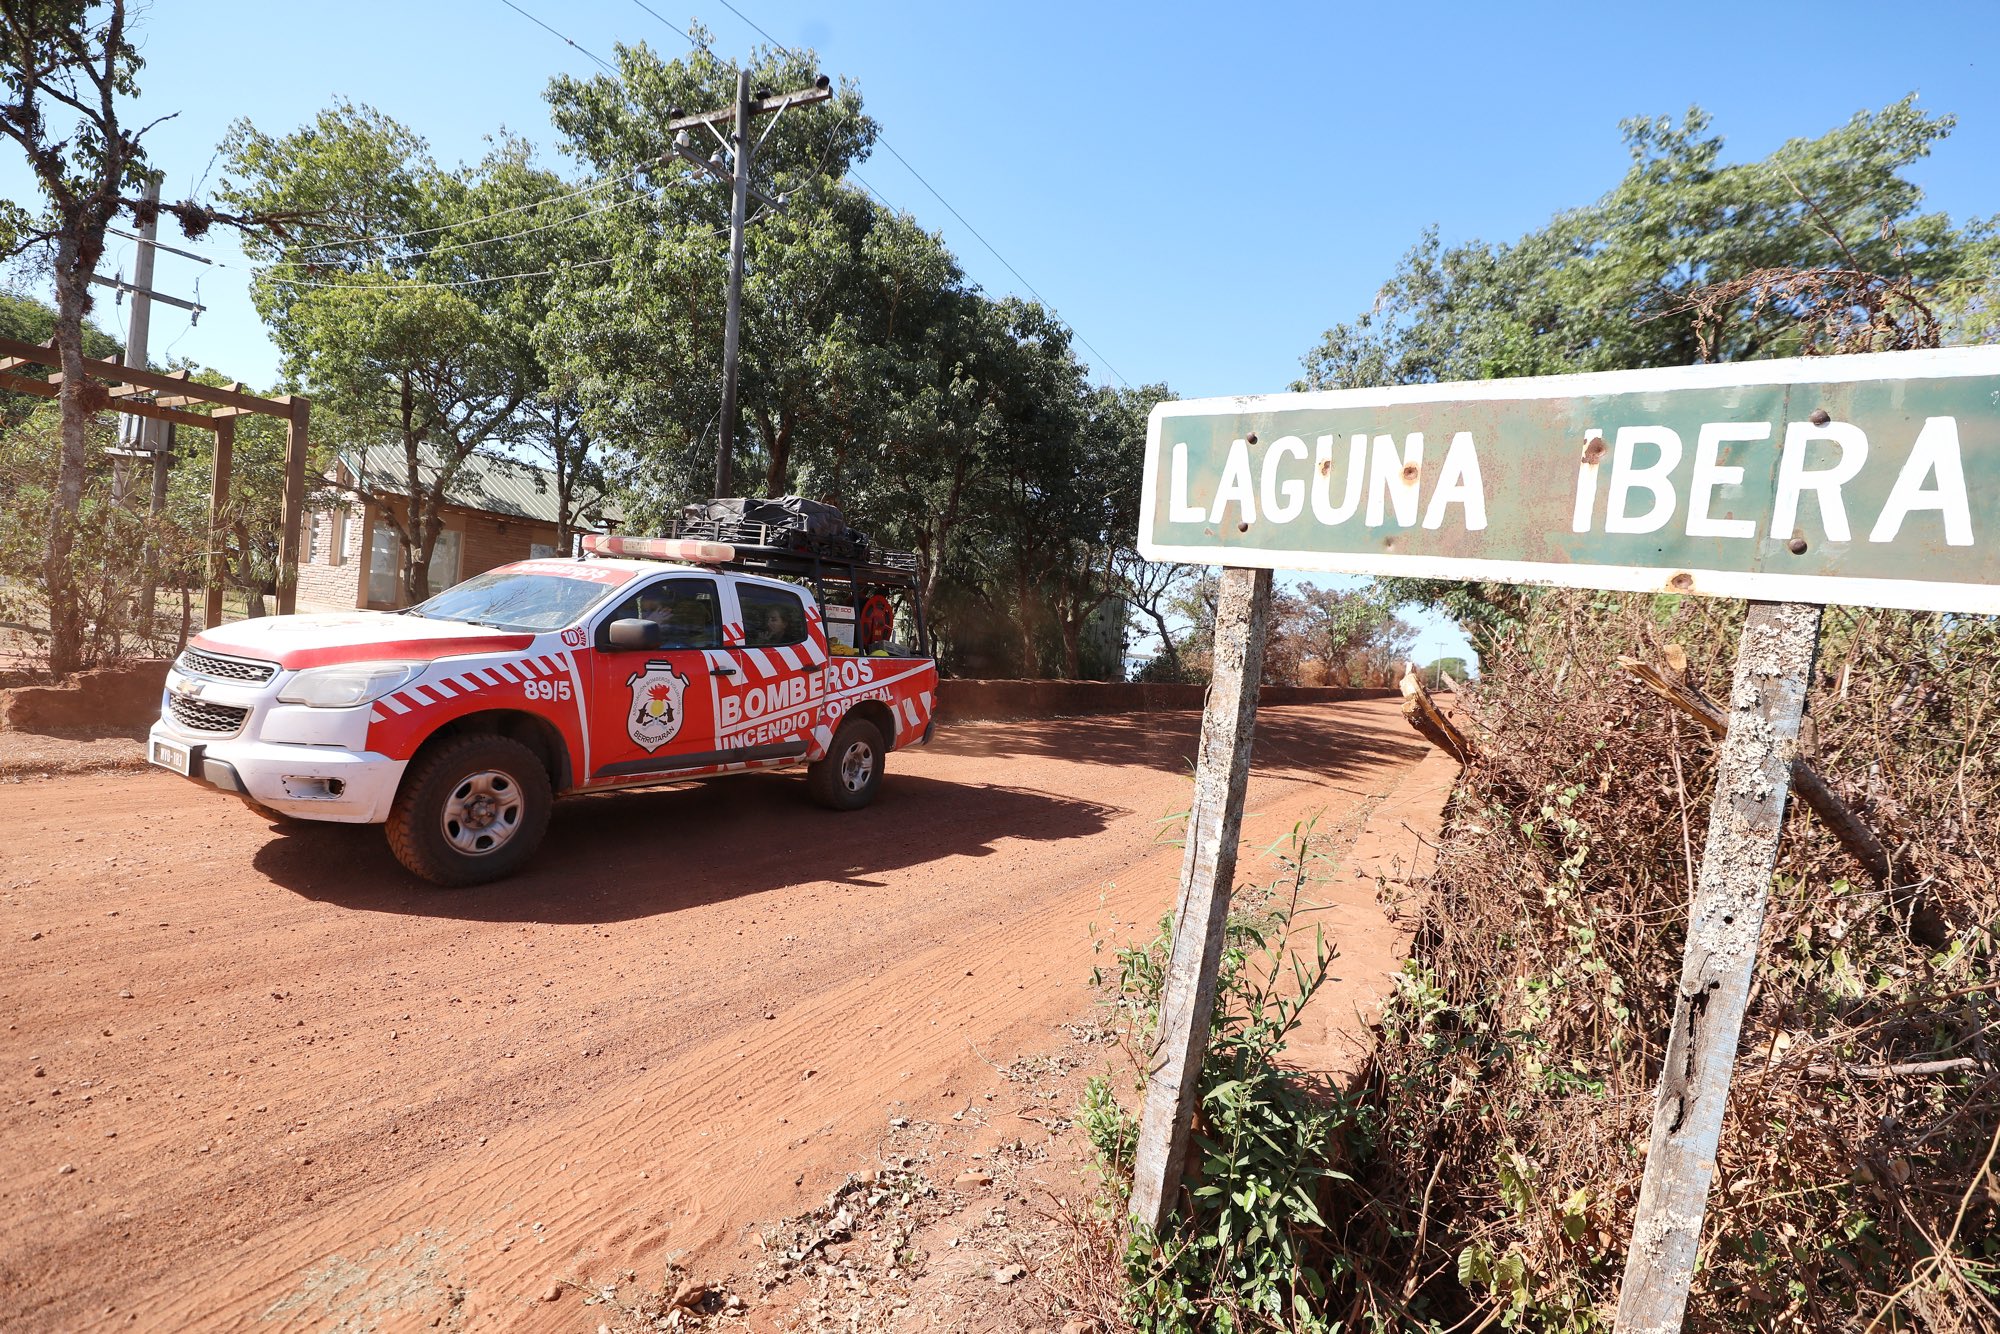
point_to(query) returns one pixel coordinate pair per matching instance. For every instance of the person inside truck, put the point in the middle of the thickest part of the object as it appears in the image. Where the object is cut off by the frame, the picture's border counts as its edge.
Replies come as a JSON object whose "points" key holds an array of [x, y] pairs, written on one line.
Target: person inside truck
{"points": [[653, 607], [778, 627]]}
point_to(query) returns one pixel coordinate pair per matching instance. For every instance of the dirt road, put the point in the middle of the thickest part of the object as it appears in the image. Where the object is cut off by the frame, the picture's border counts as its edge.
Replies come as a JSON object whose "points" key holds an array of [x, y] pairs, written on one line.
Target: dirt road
{"points": [[254, 1078]]}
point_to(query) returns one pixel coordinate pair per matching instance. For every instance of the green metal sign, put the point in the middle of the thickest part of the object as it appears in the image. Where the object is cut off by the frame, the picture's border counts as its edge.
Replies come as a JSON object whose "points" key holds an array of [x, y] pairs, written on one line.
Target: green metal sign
{"points": [[1871, 480]]}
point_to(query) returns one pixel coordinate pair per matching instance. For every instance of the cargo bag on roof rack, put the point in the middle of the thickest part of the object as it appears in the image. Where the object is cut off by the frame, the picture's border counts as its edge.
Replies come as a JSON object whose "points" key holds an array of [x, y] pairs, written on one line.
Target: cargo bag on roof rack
{"points": [[790, 523], [810, 517]]}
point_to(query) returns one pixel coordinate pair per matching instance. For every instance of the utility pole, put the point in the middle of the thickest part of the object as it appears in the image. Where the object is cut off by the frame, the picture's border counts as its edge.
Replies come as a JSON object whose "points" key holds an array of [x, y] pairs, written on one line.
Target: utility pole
{"points": [[732, 329], [150, 437], [736, 172], [145, 437], [139, 434]]}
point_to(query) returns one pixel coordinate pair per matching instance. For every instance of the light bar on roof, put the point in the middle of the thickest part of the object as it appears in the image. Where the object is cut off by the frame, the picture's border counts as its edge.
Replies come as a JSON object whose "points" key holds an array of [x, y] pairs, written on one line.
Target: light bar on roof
{"points": [[659, 548]]}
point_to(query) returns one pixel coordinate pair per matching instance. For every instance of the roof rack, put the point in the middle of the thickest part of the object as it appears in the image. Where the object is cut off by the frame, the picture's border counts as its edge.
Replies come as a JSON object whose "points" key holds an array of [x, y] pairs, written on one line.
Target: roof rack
{"points": [[756, 548]]}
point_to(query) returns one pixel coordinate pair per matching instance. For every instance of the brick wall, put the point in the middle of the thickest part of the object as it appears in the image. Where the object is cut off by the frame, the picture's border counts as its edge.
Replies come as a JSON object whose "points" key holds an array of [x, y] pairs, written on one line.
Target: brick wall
{"points": [[969, 700], [485, 540], [330, 580]]}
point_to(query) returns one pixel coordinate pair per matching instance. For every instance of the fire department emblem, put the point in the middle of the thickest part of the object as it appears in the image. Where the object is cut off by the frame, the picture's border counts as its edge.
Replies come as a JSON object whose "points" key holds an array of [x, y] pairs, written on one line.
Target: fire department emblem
{"points": [[655, 716]]}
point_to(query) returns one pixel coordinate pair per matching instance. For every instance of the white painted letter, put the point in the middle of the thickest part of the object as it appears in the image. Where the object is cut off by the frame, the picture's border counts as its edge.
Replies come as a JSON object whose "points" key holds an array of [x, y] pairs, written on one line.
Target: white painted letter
{"points": [[1936, 451], [1385, 478], [1235, 485], [1459, 482], [1294, 499], [1709, 474], [1625, 479], [1587, 473], [1178, 509], [1322, 489], [1793, 479]]}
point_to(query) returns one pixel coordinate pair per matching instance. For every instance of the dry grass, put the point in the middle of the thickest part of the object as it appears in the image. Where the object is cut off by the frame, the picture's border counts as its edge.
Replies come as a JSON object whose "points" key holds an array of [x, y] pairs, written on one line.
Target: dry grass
{"points": [[1515, 1072]]}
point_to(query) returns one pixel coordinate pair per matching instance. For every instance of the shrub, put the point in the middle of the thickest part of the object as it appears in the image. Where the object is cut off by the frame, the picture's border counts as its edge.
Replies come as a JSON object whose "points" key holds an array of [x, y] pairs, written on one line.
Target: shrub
{"points": [[1253, 1250], [1515, 1073]]}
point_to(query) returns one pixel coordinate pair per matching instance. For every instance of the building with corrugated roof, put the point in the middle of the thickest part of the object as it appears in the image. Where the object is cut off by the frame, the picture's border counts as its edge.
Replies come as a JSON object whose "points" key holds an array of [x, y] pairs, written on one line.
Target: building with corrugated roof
{"points": [[498, 510]]}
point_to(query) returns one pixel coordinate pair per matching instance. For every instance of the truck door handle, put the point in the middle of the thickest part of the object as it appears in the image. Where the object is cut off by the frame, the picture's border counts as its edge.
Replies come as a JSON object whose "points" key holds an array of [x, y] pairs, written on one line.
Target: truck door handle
{"points": [[722, 671]]}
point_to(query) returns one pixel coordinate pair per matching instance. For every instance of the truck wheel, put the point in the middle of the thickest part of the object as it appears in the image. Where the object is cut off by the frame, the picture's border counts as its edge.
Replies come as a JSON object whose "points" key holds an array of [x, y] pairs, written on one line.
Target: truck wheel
{"points": [[847, 778], [471, 810]]}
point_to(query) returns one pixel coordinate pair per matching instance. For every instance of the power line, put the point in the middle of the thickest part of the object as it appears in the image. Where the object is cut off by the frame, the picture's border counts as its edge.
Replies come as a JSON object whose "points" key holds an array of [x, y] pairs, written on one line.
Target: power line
{"points": [[402, 285], [675, 26], [485, 240], [612, 69], [760, 28], [884, 141], [407, 286], [1102, 359], [578, 193]]}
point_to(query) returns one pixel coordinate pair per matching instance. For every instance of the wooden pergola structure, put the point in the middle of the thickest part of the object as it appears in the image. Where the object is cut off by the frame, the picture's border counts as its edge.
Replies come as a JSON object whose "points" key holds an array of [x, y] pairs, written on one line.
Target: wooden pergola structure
{"points": [[138, 392]]}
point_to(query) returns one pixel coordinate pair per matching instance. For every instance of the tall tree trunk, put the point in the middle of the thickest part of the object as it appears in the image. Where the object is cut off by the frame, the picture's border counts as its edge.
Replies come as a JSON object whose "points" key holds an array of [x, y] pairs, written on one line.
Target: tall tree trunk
{"points": [[1031, 660], [565, 479], [65, 609], [778, 445]]}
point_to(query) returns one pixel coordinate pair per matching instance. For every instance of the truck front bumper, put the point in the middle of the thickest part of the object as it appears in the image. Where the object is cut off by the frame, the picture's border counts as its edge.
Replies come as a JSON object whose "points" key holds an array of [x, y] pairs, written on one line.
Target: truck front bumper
{"points": [[309, 782]]}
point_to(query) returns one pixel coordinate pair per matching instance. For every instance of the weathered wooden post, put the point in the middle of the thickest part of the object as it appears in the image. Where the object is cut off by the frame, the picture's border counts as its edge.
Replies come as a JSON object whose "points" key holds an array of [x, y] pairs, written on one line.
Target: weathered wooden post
{"points": [[1208, 872], [218, 500], [1753, 775], [292, 515]]}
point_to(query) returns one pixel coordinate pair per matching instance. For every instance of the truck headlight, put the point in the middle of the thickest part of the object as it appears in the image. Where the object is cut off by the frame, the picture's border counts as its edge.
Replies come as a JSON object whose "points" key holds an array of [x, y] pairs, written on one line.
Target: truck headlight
{"points": [[348, 684]]}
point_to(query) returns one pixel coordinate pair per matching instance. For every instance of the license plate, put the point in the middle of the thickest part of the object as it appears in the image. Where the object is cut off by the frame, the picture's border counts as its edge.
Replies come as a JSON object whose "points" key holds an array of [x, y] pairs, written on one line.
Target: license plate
{"points": [[169, 756]]}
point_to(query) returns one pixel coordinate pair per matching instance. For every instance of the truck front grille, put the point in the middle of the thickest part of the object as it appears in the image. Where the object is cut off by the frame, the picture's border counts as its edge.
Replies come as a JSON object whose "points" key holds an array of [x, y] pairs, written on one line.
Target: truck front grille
{"points": [[226, 669], [200, 715]]}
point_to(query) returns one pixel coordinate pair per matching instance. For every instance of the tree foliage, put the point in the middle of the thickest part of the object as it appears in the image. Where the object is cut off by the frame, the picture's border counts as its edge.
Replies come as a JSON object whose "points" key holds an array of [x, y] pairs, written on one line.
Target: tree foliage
{"points": [[874, 374], [1687, 259], [396, 315], [68, 72]]}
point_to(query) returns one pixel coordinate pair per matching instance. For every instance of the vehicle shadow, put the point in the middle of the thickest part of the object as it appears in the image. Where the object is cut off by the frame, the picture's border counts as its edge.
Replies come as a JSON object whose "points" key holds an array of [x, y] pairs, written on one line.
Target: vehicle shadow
{"points": [[1328, 742], [620, 856]]}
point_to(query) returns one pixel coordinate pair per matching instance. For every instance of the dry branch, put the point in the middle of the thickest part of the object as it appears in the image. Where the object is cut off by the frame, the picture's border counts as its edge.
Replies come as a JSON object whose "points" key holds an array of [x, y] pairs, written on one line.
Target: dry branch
{"points": [[1671, 684], [1422, 713], [1890, 1071]]}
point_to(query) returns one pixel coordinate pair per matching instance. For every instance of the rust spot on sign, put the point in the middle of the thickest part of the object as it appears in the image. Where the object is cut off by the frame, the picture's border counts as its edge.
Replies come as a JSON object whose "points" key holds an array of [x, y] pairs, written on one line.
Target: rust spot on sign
{"points": [[1594, 451], [1682, 582], [1411, 472]]}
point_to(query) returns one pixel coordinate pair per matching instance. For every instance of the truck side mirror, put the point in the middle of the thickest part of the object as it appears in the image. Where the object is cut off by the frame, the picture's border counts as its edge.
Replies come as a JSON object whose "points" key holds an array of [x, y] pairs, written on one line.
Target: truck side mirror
{"points": [[635, 633]]}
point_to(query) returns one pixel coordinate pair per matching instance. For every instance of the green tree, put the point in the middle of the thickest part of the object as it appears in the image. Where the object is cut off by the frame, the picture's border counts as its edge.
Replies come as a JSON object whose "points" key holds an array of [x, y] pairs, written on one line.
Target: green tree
{"points": [[400, 323], [643, 341], [1686, 259], [1354, 634], [68, 73], [24, 318], [526, 220]]}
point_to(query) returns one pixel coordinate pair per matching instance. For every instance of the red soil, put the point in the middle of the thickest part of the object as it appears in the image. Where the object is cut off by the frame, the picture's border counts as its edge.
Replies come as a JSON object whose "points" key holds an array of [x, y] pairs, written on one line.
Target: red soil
{"points": [[255, 1077]]}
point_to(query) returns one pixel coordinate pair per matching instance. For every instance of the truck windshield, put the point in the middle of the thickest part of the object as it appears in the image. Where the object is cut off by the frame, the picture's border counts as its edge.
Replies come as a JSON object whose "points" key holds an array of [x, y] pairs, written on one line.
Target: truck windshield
{"points": [[514, 601]]}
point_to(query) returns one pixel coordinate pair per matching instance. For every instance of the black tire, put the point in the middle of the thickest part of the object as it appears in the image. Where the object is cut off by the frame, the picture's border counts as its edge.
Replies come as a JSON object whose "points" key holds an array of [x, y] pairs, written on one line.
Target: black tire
{"points": [[847, 778], [472, 809]]}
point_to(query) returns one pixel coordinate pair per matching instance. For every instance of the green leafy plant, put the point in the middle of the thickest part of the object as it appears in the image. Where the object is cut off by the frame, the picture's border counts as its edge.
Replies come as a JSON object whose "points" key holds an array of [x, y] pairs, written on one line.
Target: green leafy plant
{"points": [[1252, 1247]]}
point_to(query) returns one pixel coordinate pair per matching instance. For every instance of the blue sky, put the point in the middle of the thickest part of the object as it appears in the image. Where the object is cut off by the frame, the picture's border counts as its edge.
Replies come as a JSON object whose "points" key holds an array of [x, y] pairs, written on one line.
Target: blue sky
{"points": [[1199, 190]]}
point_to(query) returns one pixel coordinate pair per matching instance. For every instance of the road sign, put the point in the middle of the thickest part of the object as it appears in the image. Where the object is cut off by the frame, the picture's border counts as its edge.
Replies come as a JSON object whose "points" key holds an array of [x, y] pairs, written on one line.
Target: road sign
{"points": [[1870, 480]]}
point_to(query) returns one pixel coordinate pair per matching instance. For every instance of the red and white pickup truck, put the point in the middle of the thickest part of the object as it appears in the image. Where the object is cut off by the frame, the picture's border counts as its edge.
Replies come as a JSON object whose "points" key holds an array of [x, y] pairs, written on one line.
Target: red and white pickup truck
{"points": [[456, 723]]}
